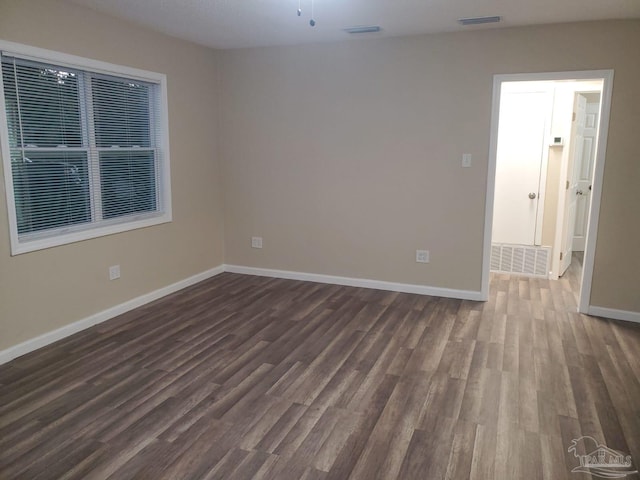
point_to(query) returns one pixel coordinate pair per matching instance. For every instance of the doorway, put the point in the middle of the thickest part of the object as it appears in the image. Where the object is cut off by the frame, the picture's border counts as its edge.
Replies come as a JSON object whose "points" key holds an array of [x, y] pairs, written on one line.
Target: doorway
{"points": [[545, 173]]}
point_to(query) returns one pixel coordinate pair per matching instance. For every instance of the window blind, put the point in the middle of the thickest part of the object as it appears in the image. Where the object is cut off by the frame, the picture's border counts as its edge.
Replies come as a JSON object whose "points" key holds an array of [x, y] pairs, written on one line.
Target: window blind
{"points": [[84, 147]]}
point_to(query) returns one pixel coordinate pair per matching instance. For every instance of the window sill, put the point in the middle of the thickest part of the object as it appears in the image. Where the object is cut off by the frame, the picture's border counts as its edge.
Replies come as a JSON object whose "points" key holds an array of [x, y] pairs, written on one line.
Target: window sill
{"points": [[19, 247]]}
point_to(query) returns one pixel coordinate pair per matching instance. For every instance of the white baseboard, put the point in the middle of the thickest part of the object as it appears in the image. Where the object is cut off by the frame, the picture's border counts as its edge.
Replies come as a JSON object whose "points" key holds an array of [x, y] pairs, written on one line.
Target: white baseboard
{"points": [[60, 333], [357, 282], [614, 314]]}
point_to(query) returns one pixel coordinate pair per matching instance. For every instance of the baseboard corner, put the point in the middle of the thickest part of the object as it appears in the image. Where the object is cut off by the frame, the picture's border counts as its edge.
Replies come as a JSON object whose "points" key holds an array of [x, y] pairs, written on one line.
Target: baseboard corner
{"points": [[615, 314], [52, 336]]}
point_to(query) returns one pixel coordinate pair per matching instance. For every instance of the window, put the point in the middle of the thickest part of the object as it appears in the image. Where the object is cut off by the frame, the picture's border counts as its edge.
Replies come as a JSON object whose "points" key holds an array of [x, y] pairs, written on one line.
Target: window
{"points": [[85, 150]]}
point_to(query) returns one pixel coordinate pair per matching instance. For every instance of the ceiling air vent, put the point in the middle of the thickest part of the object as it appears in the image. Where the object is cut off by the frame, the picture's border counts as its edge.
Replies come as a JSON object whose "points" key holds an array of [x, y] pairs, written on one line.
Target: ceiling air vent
{"points": [[363, 29], [479, 20]]}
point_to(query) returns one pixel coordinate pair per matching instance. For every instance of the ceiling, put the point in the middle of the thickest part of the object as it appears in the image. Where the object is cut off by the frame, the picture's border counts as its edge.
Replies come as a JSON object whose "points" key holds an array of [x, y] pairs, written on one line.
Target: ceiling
{"points": [[251, 23]]}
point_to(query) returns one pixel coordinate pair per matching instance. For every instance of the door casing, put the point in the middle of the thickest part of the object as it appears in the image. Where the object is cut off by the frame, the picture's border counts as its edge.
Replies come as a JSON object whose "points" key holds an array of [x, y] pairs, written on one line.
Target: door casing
{"points": [[589, 254]]}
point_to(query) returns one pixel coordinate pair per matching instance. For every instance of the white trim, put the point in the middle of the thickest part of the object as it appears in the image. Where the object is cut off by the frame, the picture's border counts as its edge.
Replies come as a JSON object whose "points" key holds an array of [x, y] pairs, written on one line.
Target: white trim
{"points": [[165, 151], [63, 332], [491, 186], [62, 239], [614, 313], [36, 54], [596, 192], [76, 233], [357, 282], [60, 333], [589, 254], [55, 335]]}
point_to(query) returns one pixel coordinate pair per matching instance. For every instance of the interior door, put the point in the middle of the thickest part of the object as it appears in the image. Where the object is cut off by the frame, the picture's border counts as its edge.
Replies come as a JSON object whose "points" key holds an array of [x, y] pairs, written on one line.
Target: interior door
{"points": [[572, 191], [585, 175], [521, 140]]}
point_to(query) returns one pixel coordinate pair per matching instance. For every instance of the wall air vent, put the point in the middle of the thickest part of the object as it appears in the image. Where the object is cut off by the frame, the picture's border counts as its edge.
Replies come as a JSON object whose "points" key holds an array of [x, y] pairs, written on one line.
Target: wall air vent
{"points": [[363, 29], [521, 259], [479, 20]]}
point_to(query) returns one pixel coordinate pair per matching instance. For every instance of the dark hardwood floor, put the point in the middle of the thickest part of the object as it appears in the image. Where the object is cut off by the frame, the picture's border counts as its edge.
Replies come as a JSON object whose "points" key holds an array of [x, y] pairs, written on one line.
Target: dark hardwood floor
{"points": [[247, 377]]}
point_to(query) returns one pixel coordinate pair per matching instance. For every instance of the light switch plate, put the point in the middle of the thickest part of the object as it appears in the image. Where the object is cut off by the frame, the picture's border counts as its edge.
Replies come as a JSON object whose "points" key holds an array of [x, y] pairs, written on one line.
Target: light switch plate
{"points": [[466, 160]]}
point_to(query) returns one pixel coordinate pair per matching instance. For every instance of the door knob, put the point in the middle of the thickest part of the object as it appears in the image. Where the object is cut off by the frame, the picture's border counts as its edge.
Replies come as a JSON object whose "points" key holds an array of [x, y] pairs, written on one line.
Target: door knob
{"points": [[532, 195], [579, 192]]}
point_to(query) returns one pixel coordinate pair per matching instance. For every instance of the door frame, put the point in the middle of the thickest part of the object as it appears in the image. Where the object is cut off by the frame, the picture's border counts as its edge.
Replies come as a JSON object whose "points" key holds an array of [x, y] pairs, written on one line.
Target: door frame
{"points": [[592, 229]]}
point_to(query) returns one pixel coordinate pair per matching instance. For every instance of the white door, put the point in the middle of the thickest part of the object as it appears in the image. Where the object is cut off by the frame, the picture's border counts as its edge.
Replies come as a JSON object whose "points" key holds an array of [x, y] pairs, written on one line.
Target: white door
{"points": [[585, 175], [521, 141], [572, 191]]}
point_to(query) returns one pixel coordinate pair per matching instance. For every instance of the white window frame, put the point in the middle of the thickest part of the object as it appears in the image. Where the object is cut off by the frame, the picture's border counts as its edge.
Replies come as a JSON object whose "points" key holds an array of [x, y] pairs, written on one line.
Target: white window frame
{"points": [[76, 233]]}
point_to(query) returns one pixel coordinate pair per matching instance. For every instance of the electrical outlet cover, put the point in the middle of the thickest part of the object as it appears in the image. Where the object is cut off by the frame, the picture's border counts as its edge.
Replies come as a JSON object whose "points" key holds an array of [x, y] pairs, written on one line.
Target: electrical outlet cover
{"points": [[114, 272], [422, 256], [256, 242]]}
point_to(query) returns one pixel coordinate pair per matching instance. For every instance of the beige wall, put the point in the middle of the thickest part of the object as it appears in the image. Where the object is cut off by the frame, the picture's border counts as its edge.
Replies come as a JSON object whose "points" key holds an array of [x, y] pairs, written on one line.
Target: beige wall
{"points": [[42, 291], [346, 157], [592, 97]]}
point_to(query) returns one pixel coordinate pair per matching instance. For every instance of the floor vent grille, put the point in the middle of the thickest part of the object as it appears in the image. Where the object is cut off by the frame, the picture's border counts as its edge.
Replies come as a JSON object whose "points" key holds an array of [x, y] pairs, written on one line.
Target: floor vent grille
{"points": [[520, 259]]}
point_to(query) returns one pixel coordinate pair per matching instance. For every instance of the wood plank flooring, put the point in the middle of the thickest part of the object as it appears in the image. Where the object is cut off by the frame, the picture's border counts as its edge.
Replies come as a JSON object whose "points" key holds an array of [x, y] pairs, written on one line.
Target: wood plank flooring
{"points": [[244, 377]]}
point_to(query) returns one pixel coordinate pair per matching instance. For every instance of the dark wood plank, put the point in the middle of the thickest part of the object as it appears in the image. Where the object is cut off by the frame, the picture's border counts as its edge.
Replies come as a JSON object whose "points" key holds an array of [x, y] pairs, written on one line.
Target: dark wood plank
{"points": [[245, 377]]}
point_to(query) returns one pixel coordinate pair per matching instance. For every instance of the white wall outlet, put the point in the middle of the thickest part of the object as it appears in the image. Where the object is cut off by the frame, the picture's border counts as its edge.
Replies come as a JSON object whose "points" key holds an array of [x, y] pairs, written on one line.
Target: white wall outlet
{"points": [[256, 242], [466, 160], [114, 272], [422, 256]]}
